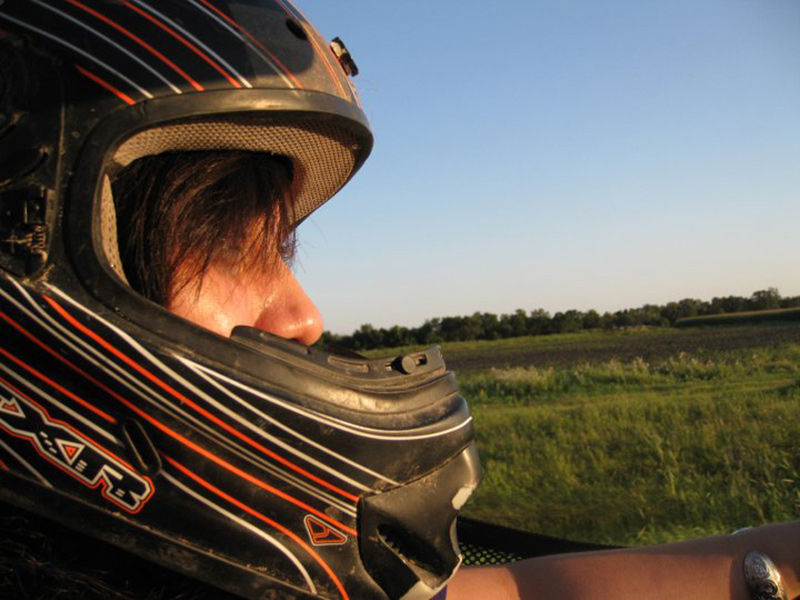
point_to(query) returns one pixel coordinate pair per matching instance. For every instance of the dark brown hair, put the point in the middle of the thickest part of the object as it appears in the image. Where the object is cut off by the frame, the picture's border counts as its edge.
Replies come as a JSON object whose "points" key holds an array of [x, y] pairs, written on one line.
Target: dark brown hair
{"points": [[179, 212]]}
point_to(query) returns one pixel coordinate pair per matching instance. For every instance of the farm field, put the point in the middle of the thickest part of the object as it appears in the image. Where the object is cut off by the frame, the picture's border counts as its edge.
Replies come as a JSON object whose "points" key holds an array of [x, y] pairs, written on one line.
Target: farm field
{"points": [[599, 346], [636, 437], [759, 316]]}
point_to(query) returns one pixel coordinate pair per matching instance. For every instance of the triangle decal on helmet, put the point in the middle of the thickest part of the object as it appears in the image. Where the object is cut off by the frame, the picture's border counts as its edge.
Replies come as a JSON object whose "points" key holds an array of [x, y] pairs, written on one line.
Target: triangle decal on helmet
{"points": [[10, 406], [70, 450], [322, 534]]}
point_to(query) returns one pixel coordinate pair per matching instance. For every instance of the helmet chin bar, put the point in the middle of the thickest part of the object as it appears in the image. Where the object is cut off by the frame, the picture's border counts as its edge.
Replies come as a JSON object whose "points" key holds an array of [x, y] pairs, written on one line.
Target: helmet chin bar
{"points": [[403, 545], [270, 466]]}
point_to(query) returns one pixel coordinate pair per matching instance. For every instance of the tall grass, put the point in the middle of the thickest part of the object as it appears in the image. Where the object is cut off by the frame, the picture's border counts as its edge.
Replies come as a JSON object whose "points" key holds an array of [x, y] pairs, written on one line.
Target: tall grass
{"points": [[637, 452], [533, 385]]}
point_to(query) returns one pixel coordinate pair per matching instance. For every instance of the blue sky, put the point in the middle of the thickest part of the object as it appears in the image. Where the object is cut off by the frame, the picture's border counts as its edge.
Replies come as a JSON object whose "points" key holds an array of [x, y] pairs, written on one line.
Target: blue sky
{"points": [[563, 154]]}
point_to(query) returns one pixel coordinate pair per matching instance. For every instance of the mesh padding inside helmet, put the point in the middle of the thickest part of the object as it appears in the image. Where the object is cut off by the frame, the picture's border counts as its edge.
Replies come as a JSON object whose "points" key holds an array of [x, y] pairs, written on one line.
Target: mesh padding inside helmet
{"points": [[108, 229], [323, 154]]}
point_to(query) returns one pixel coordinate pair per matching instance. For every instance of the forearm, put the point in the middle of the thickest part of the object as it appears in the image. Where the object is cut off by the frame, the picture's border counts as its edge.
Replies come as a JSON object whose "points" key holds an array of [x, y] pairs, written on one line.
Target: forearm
{"points": [[708, 568]]}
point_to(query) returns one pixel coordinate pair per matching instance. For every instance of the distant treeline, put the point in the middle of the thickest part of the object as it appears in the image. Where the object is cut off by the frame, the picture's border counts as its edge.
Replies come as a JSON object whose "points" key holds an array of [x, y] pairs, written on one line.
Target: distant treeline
{"points": [[488, 326]]}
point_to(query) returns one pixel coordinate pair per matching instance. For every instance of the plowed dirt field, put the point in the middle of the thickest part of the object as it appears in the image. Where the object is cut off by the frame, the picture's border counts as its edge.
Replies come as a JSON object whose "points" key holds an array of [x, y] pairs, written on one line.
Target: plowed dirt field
{"points": [[561, 351]]}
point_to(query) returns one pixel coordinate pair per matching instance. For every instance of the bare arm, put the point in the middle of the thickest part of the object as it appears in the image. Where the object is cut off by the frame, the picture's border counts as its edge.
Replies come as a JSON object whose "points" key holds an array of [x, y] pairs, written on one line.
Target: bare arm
{"points": [[707, 568]]}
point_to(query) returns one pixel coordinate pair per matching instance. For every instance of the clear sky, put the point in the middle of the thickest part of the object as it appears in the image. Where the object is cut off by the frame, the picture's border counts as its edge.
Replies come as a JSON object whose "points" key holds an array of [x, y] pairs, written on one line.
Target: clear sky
{"points": [[561, 154]]}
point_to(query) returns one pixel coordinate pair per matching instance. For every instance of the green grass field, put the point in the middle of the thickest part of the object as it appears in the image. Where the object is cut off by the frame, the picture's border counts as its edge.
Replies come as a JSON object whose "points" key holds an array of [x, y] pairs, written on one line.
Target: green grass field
{"points": [[593, 444]]}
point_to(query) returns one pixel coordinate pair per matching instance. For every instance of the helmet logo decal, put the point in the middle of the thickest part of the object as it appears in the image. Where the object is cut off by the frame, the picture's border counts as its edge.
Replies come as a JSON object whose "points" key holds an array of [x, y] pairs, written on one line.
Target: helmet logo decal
{"points": [[72, 452], [322, 534], [10, 407]]}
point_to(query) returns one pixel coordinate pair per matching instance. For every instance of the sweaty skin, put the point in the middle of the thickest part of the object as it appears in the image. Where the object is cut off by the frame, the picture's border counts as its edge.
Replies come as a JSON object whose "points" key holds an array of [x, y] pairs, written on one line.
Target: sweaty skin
{"points": [[707, 569], [273, 302]]}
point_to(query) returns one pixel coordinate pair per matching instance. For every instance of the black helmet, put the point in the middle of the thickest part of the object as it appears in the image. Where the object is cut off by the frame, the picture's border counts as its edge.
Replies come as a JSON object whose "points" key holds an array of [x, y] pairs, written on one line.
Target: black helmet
{"points": [[251, 462]]}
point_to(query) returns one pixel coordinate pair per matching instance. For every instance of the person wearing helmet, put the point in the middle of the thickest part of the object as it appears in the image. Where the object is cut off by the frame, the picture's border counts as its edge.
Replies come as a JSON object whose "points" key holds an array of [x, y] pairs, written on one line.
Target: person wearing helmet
{"points": [[157, 388], [239, 458]]}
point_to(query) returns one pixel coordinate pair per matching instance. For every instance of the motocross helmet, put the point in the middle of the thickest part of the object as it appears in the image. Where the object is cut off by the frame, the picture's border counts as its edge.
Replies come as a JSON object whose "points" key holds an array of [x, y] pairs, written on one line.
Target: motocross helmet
{"points": [[250, 462]]}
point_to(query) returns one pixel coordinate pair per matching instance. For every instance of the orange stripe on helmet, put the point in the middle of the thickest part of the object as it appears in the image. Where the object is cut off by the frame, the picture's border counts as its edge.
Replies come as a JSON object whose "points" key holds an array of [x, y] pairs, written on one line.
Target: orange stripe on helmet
{"points": [[188, 402], [121, 95], [139, 41], [186, 43], [261, 517], [278, 62], [44, 346], [324, 56]]}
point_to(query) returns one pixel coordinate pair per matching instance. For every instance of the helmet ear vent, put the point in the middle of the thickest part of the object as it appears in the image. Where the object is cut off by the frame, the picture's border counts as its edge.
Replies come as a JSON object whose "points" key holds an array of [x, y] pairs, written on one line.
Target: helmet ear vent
{"points": [[140, 448], [410, 548], [296, 29]]}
